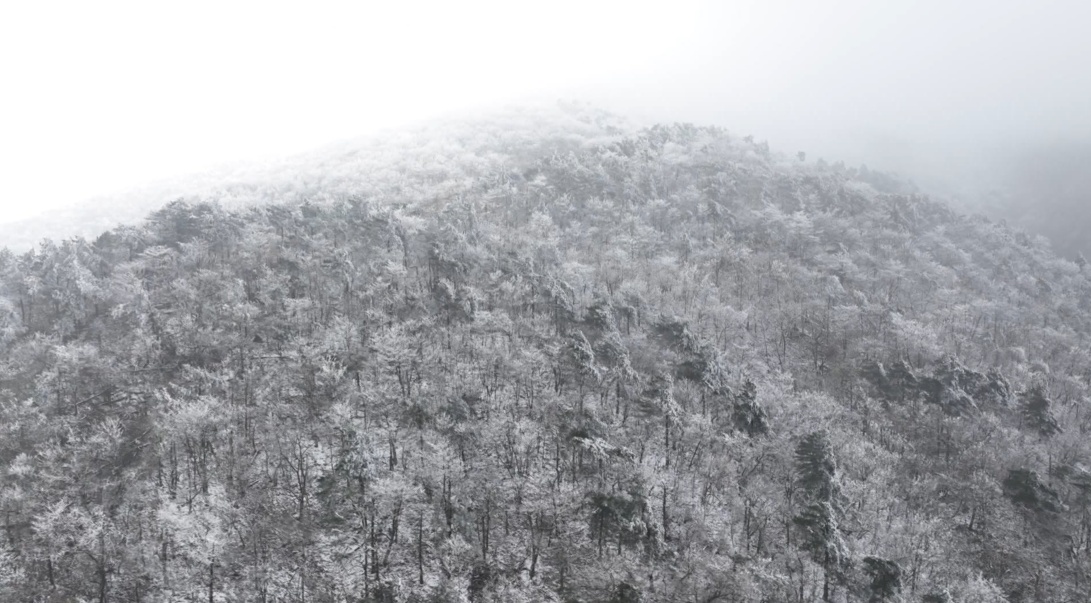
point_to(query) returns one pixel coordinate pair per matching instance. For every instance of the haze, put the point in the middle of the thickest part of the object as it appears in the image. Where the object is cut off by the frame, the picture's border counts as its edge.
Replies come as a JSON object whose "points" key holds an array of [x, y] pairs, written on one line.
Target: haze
{"points": [[106, 96]]}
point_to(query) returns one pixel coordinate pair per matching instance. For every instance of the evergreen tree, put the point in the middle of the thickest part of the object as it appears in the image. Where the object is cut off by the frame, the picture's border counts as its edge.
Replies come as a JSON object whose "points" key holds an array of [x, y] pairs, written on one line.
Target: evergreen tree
{"points": [[822, 510], [1036, 409]]}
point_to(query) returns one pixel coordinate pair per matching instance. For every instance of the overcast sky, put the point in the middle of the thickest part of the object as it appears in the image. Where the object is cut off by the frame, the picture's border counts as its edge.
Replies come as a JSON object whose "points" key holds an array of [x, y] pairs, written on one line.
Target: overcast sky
{"points": [[101, 96]]}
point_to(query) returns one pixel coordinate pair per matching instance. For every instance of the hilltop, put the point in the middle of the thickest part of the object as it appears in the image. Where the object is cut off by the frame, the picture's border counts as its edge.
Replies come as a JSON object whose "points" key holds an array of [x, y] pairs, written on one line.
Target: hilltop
{"points": [[547, 356]]}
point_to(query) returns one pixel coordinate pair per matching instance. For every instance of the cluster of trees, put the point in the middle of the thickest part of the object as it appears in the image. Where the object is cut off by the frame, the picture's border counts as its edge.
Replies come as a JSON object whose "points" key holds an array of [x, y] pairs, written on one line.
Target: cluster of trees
{"points": [[550, 359]]}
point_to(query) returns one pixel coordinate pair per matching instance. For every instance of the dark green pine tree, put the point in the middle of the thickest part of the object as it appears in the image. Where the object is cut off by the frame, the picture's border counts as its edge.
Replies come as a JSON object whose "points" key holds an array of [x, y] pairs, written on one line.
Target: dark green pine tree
{"points": [[1037, 410], [886, 578], [818, 521], [816, 467], [749, 417]]}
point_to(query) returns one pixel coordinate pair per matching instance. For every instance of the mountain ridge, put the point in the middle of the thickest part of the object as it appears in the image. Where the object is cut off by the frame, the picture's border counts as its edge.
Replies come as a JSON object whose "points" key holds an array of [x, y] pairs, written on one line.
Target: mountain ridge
{"points": [[550, 359]]}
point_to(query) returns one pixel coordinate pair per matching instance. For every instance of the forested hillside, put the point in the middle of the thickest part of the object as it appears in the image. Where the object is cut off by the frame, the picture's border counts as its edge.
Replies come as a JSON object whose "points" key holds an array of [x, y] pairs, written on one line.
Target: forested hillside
{"points": [[547, 357]]}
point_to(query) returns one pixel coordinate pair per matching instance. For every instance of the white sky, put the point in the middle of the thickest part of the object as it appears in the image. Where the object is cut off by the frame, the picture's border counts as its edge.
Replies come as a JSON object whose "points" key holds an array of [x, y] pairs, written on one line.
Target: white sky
{"points": [[102, 96]]}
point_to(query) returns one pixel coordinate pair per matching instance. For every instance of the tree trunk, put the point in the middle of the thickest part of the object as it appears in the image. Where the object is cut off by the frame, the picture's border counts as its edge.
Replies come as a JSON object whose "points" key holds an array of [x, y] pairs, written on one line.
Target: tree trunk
{"points": [[666, 517], [420, 548]]}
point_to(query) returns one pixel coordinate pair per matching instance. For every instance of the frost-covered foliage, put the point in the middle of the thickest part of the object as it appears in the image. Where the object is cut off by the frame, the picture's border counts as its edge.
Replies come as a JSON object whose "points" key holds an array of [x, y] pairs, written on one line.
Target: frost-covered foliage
{"points": [[547, 358]]}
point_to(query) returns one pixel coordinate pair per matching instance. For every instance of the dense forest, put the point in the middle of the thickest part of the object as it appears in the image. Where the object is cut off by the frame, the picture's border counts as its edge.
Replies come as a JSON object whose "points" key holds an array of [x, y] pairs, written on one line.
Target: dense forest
{"points": [[547, 357]]}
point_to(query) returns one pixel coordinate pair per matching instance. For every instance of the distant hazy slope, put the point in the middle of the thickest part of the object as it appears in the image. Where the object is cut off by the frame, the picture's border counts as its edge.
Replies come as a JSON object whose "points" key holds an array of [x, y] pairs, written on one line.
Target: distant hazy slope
{"points": [[350, 167], [1048, 191]]}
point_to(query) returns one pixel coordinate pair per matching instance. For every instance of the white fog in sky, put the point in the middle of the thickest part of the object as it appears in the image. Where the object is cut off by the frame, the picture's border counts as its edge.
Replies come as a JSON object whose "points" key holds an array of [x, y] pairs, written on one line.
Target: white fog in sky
{"points": [[97, 97]]}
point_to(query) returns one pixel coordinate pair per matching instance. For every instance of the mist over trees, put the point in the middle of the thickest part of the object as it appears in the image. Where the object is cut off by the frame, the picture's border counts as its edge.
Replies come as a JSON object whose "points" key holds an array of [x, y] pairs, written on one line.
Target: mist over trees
{"points": [[1047, 190], [547, 357]]}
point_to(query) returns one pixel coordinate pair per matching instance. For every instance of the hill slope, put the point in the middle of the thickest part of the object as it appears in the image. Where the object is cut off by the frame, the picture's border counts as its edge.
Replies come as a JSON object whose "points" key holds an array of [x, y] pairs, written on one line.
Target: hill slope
{"points": [[547, 358]]}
